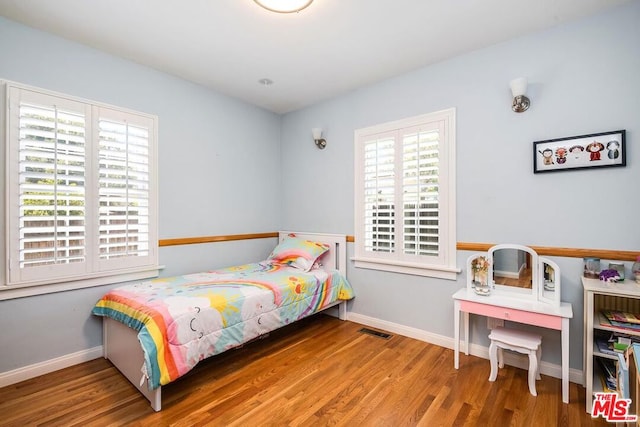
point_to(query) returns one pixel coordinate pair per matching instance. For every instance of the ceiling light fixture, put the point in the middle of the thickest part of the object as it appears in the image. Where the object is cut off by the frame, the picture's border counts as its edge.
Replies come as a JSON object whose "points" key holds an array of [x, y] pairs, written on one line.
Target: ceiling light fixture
{"points": [[284, 6]]}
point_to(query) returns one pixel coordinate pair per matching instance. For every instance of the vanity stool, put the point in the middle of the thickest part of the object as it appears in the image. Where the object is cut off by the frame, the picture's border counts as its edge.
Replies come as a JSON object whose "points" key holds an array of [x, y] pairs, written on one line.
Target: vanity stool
{"points": [[520, 341]]}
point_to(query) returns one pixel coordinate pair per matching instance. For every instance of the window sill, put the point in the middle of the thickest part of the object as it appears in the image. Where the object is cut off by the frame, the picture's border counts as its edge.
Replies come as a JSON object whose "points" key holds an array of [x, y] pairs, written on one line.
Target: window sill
{"points": [[26, 290], [436, 271]]}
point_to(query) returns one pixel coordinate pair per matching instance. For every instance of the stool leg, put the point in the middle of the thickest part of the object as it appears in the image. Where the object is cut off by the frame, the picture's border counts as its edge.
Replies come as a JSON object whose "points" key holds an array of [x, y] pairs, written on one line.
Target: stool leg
{"points": [[500, 357], [538, 354], [533, 368], [493, 360]]}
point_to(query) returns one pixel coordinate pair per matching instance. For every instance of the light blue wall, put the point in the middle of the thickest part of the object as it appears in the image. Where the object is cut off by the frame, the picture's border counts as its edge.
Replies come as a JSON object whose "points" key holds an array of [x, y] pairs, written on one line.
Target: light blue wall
{"points": [[583, 79], [218, 160], [215, 169]]}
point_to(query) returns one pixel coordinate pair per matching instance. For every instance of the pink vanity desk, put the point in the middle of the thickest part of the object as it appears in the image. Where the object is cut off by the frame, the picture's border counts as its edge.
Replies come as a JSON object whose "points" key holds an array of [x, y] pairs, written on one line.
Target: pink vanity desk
{"points": [[507, 306]]}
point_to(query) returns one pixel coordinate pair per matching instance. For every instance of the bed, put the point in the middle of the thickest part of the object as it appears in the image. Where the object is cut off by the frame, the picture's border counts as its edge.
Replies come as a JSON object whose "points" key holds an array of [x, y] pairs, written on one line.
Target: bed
{"points": [[157, 330]]}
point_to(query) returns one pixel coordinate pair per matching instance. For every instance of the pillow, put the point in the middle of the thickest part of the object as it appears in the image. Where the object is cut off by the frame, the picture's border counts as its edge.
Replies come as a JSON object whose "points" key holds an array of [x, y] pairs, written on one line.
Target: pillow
{"points": [[292, 248], [304, 265]]}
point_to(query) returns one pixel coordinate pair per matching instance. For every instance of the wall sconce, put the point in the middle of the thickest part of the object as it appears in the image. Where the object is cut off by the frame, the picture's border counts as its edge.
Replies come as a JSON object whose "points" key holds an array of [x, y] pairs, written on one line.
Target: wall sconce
{"points": [[519, 89], [318, 139]]}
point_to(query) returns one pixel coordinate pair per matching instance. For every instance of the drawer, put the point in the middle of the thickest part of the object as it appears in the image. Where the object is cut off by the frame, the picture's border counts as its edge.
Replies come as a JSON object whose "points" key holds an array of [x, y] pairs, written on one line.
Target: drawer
{"points": [[512, 314]]}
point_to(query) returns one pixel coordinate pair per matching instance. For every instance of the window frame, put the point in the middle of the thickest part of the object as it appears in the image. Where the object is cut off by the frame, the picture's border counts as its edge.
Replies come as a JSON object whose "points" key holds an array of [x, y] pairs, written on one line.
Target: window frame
{"points": [[444, 265], [92, 272]]}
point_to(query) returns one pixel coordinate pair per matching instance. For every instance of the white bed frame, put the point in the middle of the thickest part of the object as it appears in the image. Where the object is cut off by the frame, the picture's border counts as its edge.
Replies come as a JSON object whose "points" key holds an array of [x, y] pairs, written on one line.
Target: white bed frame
{"points": [[122, 348]]}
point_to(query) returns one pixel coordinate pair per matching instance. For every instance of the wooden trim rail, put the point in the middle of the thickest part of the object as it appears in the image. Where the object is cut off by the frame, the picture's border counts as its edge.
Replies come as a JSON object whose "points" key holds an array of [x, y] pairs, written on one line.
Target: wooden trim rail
{"points": [[211, 239], [561, 252], [461, 246]]}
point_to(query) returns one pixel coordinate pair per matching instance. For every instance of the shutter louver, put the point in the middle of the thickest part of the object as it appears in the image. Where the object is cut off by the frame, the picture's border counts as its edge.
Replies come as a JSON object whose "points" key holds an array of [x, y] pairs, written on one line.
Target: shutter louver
{"points": [[51, 186], [420, 193], [379, 195], [405, 211], [124, 190], [81, 193]]}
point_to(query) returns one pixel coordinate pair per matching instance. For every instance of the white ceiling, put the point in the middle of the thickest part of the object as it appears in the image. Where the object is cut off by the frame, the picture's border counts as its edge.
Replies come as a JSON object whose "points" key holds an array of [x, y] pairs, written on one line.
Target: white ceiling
{"points": [[329, 48]]}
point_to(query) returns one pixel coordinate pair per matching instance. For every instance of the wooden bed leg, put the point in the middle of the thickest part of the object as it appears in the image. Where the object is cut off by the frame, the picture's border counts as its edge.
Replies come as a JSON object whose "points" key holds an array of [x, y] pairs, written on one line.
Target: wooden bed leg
{"points": [[342, 310]]}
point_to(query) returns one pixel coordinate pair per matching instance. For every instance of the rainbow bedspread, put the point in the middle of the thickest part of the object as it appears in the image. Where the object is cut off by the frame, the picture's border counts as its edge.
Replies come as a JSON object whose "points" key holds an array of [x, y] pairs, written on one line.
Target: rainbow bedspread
{"points": [[183, 319]]}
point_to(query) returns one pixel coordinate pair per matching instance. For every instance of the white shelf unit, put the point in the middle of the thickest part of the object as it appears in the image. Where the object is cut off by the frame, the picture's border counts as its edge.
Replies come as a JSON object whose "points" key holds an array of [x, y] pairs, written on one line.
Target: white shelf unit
{"points": [[598, 296]]}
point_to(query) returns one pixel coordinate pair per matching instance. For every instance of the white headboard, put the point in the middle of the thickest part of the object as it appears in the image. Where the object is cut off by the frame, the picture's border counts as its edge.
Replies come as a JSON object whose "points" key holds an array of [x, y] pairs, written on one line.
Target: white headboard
{"points": [[336, 259]]}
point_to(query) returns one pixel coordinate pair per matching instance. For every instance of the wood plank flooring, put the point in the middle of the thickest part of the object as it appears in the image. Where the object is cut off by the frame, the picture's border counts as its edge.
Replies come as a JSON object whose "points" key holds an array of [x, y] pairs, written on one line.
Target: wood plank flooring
{"points": [[320, 371]]}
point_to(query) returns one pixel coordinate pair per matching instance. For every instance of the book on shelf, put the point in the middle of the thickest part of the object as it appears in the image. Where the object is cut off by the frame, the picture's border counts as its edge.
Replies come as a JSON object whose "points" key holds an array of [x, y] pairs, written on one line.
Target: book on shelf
{"points": [[605, 385], [608, 320], [608, 375], [604, 346], [621, 316]]}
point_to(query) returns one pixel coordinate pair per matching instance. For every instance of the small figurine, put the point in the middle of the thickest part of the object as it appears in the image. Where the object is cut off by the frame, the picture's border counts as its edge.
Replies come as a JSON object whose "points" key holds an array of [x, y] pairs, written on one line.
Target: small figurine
{"points": [[576, 150], [609, 275], [547, 156], [594, 150], [613, 147], [561, 155]]}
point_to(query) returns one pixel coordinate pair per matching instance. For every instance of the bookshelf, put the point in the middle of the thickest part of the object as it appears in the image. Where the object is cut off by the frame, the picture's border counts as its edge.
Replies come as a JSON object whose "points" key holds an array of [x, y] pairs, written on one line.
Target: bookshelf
{"points": [[599, 296]]}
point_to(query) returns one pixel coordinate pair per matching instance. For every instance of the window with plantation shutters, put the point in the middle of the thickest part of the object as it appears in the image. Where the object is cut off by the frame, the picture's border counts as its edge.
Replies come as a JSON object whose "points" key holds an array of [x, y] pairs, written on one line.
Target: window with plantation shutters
{"points": [[123, 188], [405, 196], [51, 185], [80, 191]]}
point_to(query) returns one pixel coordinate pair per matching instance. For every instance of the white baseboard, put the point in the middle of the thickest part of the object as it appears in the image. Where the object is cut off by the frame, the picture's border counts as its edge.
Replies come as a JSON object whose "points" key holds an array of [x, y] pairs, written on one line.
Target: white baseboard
{"points": [[519, 361], [41, 368], [510, 358]]}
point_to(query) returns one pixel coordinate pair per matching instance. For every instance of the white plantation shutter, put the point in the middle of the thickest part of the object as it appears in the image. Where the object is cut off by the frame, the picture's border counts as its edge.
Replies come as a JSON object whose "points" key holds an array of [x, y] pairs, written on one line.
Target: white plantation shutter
{"points": [[52, 185], [124, 187], [80, 189], [420, 191], [379, 194], [47, 186], [405, 196]]}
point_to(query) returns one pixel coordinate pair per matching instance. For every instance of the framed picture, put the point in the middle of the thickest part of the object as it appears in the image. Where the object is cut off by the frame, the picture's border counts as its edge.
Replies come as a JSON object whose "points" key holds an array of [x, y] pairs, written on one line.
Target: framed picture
{"points": [[580, 152]]}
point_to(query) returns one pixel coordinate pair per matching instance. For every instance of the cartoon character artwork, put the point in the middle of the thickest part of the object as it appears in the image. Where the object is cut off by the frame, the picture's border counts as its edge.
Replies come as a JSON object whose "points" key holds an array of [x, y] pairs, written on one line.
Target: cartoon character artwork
{"points": [[561, 155], [614, 149], [576, 151], [547, 156], [259, 312], [594, 150], [195, 328]]}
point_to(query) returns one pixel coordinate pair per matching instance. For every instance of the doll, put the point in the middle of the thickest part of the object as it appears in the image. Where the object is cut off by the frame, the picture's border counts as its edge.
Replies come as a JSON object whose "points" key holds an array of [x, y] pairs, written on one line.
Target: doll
{"points": [[594, 150], [613, 147], [576, 151], [561, 155], [547, 156]]}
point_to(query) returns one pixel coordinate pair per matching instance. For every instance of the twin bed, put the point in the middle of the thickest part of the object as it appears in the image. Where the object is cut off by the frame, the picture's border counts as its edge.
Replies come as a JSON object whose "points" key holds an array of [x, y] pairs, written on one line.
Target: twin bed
{"points": [[157, 330]]}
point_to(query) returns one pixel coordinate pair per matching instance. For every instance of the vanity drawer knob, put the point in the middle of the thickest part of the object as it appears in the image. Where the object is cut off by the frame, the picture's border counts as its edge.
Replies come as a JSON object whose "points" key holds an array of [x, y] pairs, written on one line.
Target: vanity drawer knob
{"points": [[506, 314]]}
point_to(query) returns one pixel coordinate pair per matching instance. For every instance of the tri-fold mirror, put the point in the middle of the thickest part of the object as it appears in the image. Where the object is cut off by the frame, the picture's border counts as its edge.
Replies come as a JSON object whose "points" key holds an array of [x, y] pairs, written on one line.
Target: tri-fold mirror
{"points": [[514, 270]]}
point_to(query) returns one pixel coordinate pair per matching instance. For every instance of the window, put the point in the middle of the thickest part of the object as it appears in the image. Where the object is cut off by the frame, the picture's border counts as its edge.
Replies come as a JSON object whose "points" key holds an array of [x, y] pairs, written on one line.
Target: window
{"points": [[81, 192], [405, 196]]}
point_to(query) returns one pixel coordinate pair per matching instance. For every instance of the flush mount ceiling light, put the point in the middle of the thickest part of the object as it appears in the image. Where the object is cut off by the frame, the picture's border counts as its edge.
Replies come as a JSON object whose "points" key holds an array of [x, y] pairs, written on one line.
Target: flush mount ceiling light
{"points": [[284, 6]]}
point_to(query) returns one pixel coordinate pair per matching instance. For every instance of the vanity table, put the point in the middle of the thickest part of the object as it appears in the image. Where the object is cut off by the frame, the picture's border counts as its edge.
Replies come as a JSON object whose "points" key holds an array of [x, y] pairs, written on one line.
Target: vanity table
{"points": [[532, 297]]}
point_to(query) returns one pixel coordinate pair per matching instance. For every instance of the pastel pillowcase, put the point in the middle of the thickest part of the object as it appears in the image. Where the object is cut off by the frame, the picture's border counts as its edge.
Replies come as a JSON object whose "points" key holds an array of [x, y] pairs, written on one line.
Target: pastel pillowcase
{"points": [[298, 252]]}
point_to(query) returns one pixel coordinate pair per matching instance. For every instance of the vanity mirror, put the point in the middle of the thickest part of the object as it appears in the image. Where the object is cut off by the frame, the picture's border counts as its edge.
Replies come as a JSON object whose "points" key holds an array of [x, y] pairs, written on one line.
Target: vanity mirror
{"points": [[514, 270]]}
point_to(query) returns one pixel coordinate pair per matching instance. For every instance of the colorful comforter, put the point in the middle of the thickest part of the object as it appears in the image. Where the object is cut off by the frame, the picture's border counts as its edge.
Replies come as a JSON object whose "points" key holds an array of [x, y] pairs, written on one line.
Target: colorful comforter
{"points": [[183, 319]]}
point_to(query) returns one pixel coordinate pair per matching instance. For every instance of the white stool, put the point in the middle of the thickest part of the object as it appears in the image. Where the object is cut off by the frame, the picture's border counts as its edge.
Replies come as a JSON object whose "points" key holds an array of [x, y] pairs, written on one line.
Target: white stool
{"points": [[520, 341]]}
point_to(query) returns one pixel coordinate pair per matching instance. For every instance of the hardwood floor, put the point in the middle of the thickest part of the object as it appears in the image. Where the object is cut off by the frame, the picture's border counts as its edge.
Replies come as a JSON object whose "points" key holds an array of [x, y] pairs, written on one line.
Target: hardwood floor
{"points": [[320, 371]]}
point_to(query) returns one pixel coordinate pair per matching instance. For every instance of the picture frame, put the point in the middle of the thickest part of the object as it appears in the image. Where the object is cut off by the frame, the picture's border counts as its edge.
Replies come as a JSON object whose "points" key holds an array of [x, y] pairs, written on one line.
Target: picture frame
{"points": [[596, 150]]}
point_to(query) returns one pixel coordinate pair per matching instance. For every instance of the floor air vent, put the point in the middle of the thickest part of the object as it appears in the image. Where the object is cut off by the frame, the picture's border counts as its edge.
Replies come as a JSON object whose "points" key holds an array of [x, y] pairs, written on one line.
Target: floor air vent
{"points": [[375, 333]]}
